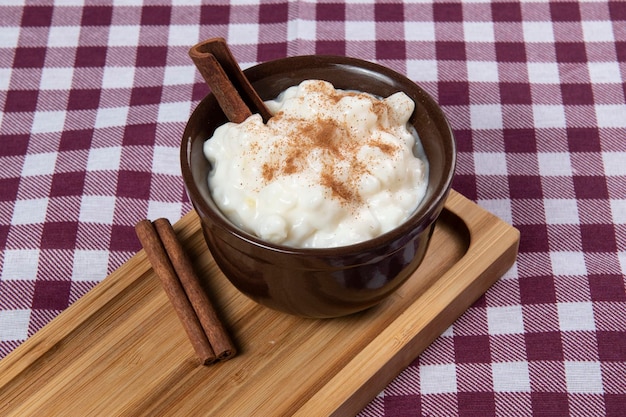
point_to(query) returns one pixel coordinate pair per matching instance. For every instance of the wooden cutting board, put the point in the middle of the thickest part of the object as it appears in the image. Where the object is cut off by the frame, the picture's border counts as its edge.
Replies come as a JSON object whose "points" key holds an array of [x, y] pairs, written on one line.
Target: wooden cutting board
{"points": [[120, 350]]}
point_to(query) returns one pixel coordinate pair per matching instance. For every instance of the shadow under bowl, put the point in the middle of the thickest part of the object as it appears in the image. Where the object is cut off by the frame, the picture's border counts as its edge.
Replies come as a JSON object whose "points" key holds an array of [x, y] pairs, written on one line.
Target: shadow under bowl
{"points": [[328, 282]]}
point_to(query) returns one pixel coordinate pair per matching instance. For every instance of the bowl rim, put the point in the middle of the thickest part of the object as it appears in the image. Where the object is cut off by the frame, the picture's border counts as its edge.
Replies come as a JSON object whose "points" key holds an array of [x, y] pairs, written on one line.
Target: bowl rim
{"points": [[425, 213]]}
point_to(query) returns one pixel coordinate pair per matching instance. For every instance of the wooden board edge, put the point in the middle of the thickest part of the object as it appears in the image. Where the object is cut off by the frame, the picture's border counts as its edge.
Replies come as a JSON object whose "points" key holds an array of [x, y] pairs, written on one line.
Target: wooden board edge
{"points": [[39, 346], [413, 347], [375, 366]]}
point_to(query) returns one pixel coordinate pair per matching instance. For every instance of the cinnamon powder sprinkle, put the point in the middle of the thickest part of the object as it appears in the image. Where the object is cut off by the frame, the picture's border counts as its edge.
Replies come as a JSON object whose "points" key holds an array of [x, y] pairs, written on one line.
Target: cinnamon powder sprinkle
{"points": [[335, 144], [386, 148], [268, 172], [339, 188]]}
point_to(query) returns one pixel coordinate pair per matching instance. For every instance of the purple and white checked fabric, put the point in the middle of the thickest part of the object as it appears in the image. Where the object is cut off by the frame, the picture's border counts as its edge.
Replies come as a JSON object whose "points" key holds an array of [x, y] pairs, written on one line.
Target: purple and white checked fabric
{"points": [[94, 96]]}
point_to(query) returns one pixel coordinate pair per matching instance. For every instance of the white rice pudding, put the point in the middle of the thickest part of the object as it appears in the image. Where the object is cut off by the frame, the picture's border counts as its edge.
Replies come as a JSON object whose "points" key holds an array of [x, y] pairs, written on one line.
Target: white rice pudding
{"points": [[330, 168]]}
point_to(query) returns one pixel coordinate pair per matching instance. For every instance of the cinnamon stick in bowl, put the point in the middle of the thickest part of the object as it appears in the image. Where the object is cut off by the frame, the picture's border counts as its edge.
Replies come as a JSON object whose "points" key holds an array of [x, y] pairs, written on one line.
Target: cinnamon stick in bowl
{"points": [[235, 94]]}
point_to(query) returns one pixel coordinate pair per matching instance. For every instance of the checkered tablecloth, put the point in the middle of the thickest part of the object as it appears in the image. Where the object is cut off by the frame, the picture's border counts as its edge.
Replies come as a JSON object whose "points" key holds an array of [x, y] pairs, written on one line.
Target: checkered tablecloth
{"points": [[94, 97]]}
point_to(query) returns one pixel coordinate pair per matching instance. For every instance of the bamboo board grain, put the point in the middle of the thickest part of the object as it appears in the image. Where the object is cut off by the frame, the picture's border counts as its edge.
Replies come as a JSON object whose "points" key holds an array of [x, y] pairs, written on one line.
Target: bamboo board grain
{"points": [[120, 350]]}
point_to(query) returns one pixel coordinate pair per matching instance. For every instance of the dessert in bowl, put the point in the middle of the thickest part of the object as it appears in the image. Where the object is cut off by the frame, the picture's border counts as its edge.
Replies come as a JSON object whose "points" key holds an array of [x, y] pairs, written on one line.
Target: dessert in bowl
{"points": [[318, 281]]}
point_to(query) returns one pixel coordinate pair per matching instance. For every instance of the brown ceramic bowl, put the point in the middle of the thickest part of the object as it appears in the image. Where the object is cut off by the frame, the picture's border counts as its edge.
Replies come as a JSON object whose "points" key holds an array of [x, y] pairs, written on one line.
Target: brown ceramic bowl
{"points": [[321, 282]]}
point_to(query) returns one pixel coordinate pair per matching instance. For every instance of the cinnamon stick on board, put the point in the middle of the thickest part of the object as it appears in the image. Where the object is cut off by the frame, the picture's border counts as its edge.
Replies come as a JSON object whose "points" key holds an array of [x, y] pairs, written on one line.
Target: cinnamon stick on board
{"points": [[213, 328], [162, 266]]}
